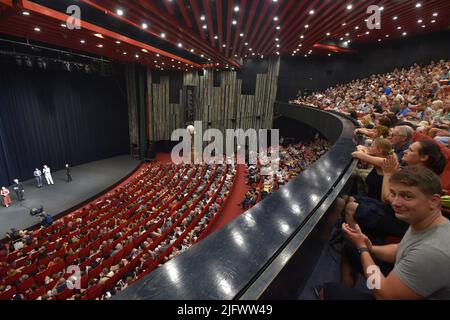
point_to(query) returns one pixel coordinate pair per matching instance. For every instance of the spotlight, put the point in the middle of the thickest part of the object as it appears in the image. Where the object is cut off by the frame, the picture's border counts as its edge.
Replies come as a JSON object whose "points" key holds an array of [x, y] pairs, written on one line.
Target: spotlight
{"points": [[19, 60], [67, 66], [28, 62]]}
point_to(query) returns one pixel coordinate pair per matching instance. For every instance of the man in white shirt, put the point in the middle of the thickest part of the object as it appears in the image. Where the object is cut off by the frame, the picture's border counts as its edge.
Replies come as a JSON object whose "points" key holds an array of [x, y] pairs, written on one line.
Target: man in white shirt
{"points": [[47, 174]]}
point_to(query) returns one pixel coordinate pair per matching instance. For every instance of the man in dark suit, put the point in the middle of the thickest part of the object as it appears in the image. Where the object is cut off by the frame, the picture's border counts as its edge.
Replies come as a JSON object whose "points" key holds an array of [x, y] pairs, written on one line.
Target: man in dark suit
{"points": [[68, 173], [18, 189]]}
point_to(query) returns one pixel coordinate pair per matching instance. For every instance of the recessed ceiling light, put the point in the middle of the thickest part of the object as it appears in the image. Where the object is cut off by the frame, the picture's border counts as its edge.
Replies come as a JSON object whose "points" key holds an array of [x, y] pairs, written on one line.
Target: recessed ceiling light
{"points": [[311, 12], [399, 28], [157, 54], [300, 45], [367, 32], [202, 55], [347, 34], [202, 18], [418, 5], [329, 54], [404, 33], [144, 25], [433, 21], [306, 26], [275, 18], [328, 34], [379, 40], [99, 35], [100, 45], [357, 27], [119, 12], [349, 7], [344, 24], [395, 18], [216, 37], [277, 53], [224, 45], [278, 28], [163, 35], [124, 53], [25, 13], [241, 35], [423, 26], [37, 29], [381, 8], [118, 42], [144, 50], [234, 22], [63, 25], [302, 36], [341, 38], [136, 55], [82, 41], [236, 9], [192, 50], [250, 49], [435, 14], [387, 36], [205, 26], [419, 21], [246, 44], [278, 45], [180, 45]]}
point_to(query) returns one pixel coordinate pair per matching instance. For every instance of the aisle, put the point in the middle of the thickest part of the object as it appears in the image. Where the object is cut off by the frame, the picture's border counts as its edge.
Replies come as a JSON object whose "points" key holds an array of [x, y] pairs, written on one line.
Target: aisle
{"points": [[232, 208]]}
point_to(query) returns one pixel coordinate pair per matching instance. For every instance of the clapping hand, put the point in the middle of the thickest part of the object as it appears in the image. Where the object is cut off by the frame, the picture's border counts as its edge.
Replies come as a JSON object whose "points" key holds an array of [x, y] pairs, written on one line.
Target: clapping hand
{"points": [[355, 236], [390, 165]]}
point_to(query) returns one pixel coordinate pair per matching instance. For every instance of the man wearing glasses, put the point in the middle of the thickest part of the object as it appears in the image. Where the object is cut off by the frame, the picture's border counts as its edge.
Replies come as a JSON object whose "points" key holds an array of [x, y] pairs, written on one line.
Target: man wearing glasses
{"points": [[401, 138]]}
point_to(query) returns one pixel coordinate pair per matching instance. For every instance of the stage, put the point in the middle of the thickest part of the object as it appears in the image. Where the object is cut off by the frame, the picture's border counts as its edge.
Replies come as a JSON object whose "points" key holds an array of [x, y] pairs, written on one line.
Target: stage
{"points": [[88, 180]]}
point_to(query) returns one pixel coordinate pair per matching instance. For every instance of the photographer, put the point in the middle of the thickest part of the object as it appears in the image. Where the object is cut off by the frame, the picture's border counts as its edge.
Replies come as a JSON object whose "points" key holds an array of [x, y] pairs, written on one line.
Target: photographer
{"points": [[46, 219]]}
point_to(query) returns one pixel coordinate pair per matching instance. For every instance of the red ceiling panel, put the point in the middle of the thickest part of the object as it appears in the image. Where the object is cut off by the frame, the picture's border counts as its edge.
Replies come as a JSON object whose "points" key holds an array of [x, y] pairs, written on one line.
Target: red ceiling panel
{"points": [[181, 21]]}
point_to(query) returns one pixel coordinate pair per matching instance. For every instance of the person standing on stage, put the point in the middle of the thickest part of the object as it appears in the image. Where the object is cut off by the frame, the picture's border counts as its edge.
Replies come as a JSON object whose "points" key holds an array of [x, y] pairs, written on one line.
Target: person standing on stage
{"points": [[68, 173], [47, 174], [18, 189], [6, 199], [38, 176]]}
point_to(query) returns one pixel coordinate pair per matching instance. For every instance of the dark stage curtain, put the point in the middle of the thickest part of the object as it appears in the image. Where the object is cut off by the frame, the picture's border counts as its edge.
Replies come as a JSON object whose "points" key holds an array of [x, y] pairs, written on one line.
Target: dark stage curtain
{"points": [[57, 117]]}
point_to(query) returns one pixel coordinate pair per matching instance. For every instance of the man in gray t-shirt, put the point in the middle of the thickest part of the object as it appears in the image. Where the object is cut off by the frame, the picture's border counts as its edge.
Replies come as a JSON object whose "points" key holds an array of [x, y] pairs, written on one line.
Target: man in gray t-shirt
{"points": [[421, 260]]}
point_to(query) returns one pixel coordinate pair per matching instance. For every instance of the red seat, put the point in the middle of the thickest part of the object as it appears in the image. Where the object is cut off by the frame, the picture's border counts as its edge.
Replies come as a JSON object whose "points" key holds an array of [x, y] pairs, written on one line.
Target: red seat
{"points": [[12, 279], [94, 273], [9, 294], [66, 294], [70, 259], [94, 292], [58, 267], [45, 261], [30, 269], [21, 262], [36, 294], [26, 284], [40, 277]]}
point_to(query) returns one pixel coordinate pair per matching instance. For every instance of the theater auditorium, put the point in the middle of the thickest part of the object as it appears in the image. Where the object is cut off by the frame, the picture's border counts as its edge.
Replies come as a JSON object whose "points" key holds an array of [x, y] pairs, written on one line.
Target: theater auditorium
{"points": [[224, 150]]}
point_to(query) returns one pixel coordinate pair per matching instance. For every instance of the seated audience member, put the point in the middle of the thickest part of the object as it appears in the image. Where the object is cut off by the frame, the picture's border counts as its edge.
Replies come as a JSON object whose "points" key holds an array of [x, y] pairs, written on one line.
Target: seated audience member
{"points": [[422, 258], [401, 138]]}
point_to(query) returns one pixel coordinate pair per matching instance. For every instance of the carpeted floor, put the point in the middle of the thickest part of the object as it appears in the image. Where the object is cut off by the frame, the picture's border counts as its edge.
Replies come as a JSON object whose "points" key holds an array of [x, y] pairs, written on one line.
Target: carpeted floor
{"points": [[232, 208]]}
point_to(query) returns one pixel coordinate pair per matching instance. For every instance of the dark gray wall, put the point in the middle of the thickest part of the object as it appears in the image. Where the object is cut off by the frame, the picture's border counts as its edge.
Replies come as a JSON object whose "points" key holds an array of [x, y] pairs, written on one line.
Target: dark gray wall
{"points": [[322, 72]]}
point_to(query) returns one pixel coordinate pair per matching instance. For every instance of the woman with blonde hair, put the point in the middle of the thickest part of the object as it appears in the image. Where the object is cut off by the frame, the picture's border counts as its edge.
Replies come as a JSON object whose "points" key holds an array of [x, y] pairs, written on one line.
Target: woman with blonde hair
{"points": [[6, 199]]}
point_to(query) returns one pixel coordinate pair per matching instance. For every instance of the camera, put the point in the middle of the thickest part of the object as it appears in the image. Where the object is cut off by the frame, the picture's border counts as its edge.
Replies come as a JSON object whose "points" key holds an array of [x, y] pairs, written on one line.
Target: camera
{"points": [[36, 211]]}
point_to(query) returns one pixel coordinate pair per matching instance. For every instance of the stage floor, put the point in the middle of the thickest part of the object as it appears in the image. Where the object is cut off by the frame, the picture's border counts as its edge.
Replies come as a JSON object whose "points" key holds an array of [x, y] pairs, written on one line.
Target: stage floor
{"points": [[88, 180]]}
